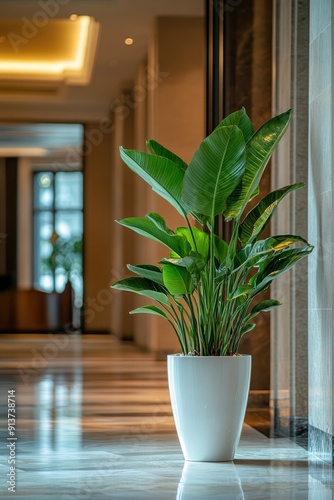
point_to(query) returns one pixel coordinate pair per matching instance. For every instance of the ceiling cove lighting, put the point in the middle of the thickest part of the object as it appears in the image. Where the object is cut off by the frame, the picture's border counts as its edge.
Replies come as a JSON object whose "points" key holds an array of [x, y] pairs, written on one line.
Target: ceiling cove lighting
{"points": [[62, 50], [22, 152]]}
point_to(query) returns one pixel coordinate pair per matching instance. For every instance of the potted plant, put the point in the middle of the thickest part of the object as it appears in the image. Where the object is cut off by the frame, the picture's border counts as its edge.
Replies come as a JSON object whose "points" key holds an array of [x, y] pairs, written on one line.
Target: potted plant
{"points": [[206, 286], [65, 261]]}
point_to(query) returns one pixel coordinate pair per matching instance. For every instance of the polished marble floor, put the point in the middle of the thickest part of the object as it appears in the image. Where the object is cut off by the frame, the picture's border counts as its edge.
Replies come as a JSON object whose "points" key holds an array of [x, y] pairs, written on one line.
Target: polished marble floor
{"points": [[93, 421]]}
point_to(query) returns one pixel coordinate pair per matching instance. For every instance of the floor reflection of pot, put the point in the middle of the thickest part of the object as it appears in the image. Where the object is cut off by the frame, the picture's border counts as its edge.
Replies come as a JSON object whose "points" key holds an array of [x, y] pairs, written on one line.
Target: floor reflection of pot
{"points": [[210, 481]]}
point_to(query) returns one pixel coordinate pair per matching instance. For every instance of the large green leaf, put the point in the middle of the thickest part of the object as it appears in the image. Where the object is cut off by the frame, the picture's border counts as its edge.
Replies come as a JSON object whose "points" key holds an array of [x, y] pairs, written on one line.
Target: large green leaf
{"points": [[149, 229], [143, 286], [198, 239], [159, 221], [159, 150], [247, 328], [273, 267], [258, 218], [261, 251], [264, 306], [163, 175], [241, 120], [259, 150], [220, 249], [177, 280], [242, 290], [214, 171], [150, 310], [194, 263], [153, 273], [277, 243]]}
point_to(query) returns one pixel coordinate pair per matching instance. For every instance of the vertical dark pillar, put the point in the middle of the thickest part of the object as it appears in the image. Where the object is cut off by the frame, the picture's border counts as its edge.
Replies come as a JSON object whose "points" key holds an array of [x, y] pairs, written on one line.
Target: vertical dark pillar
{"points": [[214, 78], [239, 57], [11, 166], [238, 39], [214, 86]]}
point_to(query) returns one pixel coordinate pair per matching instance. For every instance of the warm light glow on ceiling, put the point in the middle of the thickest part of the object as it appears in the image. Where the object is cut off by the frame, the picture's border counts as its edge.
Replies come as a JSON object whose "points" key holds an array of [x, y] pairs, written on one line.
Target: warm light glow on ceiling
{"points": [[128, 41], [25, 152], [69, 59]]}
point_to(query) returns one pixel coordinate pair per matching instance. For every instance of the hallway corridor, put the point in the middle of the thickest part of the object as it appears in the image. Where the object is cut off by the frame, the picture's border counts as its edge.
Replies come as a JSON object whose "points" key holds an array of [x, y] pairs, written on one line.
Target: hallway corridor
{"points": [[93, 421]]}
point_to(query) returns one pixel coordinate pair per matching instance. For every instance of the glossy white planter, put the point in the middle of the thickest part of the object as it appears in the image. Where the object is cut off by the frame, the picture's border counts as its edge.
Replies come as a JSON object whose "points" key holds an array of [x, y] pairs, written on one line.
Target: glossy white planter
{"points": [[209, 398]]}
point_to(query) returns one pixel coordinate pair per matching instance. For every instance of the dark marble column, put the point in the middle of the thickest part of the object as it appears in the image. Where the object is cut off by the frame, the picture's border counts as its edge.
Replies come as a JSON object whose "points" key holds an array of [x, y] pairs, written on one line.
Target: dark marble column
{"points": [[247, 41]]}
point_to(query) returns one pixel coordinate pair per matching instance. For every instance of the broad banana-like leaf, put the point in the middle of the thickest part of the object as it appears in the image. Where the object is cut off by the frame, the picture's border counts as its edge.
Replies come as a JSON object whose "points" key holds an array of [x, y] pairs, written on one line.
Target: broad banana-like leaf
{"points": [[220, 249], [255, 193], [263, 250], [242, 290], [150, 310], [163, 175], [149, 229], [277, 265], [247, 328], [194, 263], [177, 280], [214, 171], [259, 150], [277, 243], [241, 120], [201, 243], [143, 286], [258, 218], [264, 306], [153, 273], [159, 222], [159, 150]]}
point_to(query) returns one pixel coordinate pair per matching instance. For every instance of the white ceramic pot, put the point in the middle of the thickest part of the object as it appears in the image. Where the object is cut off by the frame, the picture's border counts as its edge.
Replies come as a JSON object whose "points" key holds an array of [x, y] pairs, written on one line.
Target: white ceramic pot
{"points": [[209, 398]]}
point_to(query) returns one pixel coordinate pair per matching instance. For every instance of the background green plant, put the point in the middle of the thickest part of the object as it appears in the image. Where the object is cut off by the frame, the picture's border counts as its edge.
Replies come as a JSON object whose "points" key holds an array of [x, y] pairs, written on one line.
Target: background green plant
{"points": [[66, 255], [205, 287]]}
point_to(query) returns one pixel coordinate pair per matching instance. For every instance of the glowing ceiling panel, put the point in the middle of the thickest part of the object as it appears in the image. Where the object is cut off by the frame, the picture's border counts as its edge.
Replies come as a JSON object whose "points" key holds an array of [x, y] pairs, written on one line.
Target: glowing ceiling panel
{"points": [[63, 49]]}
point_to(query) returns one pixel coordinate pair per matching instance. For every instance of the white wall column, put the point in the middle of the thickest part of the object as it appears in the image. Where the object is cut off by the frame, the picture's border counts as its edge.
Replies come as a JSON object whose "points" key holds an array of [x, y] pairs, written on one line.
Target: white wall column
{"points": [[321, 231]]}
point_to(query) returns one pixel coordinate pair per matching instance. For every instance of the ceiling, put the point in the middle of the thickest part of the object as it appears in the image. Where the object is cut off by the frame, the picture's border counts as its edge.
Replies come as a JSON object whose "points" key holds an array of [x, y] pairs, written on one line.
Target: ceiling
{"points": [[114, 66], [58, 50], [42, 29]]}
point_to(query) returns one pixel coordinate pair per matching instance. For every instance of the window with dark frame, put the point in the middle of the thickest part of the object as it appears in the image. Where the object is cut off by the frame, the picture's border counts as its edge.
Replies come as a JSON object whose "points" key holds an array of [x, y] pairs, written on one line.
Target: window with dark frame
{"points": [[58, 231]]}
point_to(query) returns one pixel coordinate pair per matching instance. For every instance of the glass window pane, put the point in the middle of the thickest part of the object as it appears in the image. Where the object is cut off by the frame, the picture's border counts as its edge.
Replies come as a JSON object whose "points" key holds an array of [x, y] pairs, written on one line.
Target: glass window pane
{"points": [[43, 266], [45, 282], [69, 190], [69, 224], [43, 190], [61, 279], [58, 229]]}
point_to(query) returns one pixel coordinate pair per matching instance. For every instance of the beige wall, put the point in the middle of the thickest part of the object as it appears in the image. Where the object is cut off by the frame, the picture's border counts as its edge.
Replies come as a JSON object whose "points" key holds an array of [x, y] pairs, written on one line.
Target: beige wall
{"points": [[2, 216], [25, 223], [122, 206], [166, 103], [175, 118], [97, 232], [142, 195]]}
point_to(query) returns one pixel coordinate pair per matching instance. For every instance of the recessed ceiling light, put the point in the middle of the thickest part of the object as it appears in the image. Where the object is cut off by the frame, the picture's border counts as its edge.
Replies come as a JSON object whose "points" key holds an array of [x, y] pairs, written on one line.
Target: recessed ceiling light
{"points": [[128, 41]]}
